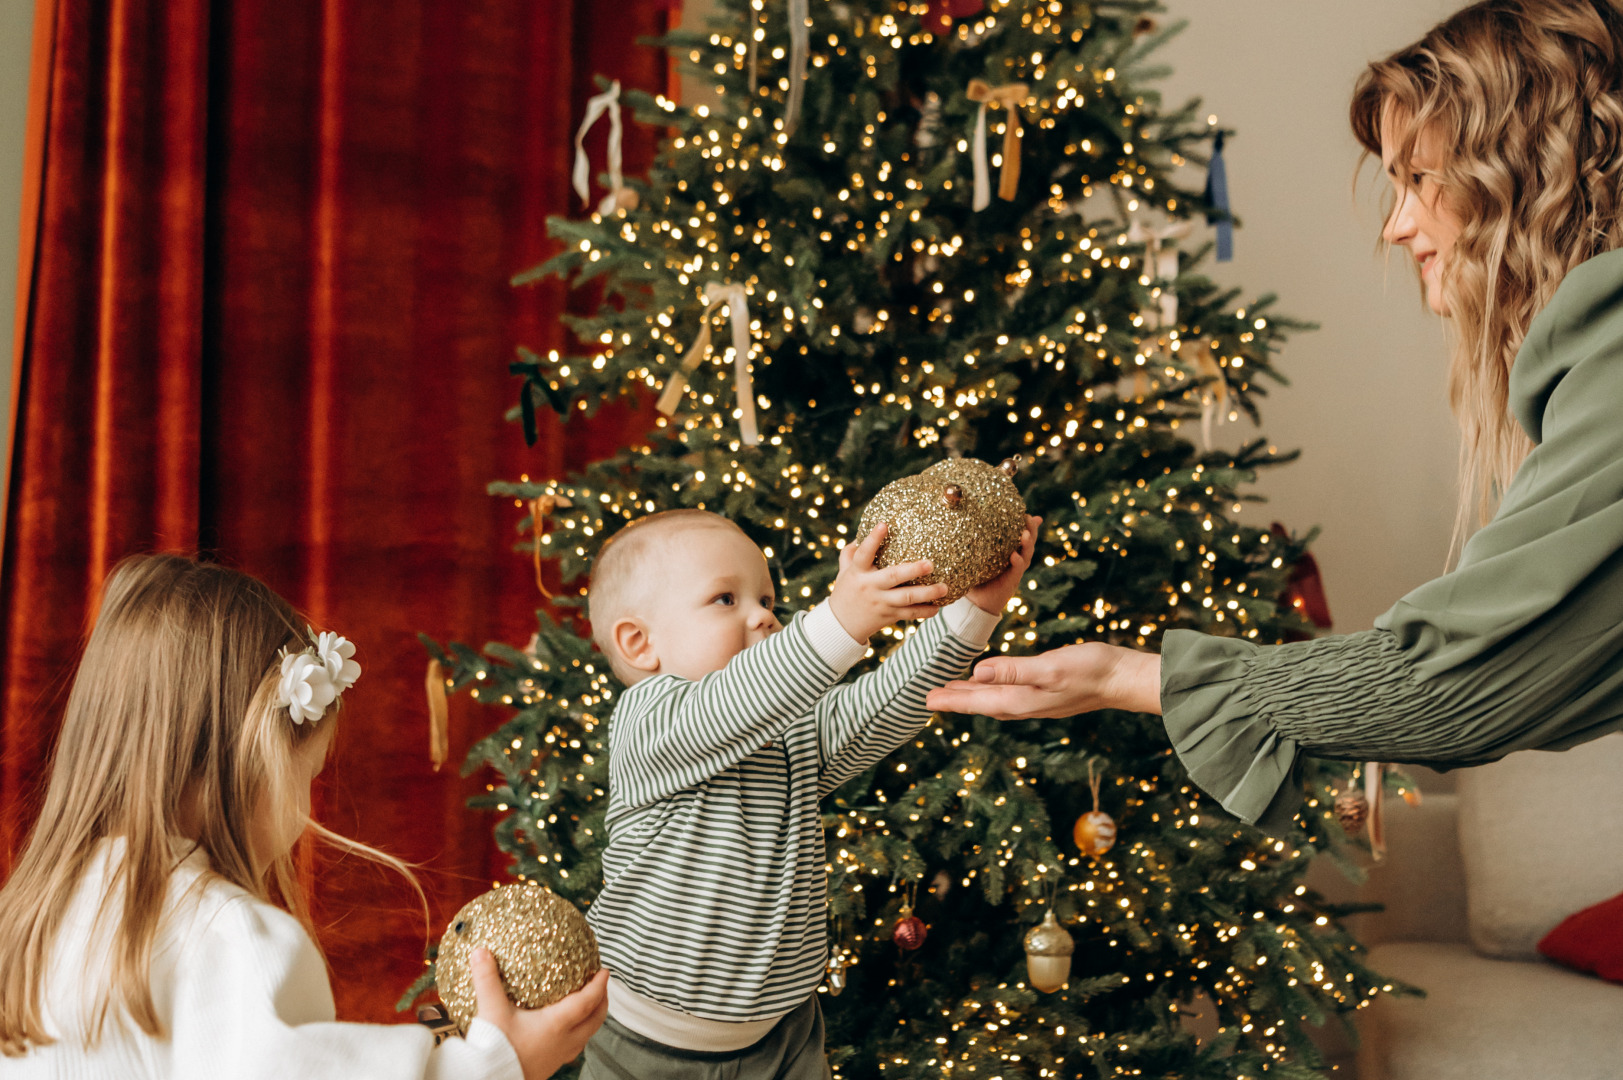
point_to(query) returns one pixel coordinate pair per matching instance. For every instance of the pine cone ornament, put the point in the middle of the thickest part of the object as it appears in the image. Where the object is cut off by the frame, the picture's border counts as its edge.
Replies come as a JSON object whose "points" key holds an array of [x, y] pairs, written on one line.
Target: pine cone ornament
{"points": [[1352, 810], [836, 974], [964, 515]]}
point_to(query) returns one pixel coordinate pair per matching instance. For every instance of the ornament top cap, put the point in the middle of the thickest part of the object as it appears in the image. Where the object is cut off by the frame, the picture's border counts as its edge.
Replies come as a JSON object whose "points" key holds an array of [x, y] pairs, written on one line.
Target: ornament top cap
{"points": [[1049, 938], [1009, 466]]}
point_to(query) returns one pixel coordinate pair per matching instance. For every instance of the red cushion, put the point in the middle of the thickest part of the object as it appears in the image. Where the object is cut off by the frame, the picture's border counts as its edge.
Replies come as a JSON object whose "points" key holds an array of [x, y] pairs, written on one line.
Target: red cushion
{"points": [[1590, 940]]}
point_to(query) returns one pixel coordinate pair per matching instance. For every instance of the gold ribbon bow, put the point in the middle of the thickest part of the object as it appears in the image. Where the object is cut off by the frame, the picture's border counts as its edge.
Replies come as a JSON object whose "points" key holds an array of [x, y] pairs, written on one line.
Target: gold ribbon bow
{"points": [[715, 295], [1010, 96], [540, 507]]}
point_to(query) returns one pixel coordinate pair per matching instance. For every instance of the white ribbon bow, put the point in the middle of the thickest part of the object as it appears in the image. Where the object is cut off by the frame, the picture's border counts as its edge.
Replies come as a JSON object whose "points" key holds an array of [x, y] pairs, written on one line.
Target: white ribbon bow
{"points": [[799, 42], [1164, 258], [619, 195], [716, 294]]}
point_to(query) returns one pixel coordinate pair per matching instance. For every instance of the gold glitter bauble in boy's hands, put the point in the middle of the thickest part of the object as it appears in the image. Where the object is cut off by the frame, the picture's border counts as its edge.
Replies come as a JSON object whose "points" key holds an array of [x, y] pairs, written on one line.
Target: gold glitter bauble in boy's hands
{"points": [[542, 945], [964, 515]]}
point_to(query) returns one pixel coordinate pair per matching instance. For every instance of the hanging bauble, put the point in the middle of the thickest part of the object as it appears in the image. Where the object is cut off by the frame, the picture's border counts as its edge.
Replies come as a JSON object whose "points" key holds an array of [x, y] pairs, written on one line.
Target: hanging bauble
{"points": [[909, 932], [1352, 810], [1095, 831], [542, 945], [1048, 954], [836, 973], [964, 515]]}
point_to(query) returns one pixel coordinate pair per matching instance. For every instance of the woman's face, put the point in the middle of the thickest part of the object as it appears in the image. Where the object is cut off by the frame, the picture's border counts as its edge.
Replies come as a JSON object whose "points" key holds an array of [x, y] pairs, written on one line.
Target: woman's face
{"points": [[1421, 219]]}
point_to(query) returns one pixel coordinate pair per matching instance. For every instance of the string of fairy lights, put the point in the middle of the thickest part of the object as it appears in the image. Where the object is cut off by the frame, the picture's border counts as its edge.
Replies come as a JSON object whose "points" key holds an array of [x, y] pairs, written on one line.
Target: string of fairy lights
{"points": [[879, 304]]}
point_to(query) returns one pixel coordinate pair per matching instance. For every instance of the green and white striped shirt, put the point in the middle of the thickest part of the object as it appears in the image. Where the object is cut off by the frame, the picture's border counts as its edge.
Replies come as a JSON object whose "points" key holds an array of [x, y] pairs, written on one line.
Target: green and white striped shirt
{"points": [[712, 911]]}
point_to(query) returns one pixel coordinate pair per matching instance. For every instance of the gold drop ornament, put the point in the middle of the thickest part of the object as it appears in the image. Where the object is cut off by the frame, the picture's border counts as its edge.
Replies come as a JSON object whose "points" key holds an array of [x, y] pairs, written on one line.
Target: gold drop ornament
{"points": [[542, 945]]}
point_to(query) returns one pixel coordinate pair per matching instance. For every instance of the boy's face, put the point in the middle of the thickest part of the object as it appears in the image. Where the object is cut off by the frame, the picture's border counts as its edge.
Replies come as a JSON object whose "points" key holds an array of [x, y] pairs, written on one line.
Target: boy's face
{"points": [[715, 601]]}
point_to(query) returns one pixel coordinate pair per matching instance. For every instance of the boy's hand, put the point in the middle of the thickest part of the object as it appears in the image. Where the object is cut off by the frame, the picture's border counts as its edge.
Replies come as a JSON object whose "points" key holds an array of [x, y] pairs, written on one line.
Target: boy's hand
{"points": [[993, 595], [866, 599], [545, 1040]]}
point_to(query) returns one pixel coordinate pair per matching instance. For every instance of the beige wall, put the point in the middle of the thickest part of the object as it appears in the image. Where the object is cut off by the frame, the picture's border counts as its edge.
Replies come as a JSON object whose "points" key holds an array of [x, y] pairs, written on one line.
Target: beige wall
{"points": [[1367, 402], [16, 35]]}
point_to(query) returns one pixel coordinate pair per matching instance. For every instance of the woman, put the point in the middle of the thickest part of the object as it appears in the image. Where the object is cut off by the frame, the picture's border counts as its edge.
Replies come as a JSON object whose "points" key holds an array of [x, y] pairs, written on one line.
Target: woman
{"points": [[1502, 133]]}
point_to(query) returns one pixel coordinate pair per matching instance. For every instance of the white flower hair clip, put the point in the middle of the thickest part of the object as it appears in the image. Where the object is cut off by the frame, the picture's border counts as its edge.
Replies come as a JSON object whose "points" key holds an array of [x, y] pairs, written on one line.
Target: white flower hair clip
{"points": [[316, 675]]}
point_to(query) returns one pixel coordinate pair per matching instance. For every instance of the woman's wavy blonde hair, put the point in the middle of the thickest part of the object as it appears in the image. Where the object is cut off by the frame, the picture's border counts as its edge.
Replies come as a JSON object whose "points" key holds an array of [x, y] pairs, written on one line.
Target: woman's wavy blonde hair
{"points": [[1523, 101], [171, 730]]}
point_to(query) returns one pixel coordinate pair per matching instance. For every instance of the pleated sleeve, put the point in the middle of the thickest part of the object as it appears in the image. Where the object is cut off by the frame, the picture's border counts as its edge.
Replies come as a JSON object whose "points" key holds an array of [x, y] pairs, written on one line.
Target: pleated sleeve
{"points": [[1520, 647]]}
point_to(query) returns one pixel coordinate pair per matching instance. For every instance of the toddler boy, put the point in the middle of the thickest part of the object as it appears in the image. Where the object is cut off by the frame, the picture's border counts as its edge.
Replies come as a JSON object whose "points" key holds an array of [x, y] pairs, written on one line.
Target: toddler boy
{"points": [[732, 729]]}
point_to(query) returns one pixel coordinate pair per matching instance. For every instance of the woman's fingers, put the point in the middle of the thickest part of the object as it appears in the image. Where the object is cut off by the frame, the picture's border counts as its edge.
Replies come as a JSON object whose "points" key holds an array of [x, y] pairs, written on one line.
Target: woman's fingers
{"points": [[489, 994], [998, 702], [1009, 670]]}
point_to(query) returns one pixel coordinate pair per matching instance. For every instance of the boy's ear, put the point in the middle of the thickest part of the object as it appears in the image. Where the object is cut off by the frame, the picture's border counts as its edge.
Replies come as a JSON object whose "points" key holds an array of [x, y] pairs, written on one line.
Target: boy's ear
{"points": [[636, 648]]}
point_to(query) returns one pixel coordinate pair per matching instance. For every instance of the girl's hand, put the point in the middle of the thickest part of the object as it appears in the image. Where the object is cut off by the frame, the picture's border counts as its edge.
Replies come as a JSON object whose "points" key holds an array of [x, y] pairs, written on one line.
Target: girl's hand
{"points": [[867, 599], [1064, 682], [991, 596], [545, 1039]]}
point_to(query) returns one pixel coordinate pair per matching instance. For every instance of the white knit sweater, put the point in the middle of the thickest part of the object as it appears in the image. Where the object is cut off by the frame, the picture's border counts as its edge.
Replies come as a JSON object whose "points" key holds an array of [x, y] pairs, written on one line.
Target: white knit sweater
{"points": [[242, 993]]}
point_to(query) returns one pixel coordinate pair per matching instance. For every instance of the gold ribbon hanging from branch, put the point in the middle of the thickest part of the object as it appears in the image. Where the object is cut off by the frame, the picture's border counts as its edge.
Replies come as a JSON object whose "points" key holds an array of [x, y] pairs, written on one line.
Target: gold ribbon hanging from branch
{"points": [[1010, 96], [737, 301], [439, 715], [619, 197], [540, 507]]}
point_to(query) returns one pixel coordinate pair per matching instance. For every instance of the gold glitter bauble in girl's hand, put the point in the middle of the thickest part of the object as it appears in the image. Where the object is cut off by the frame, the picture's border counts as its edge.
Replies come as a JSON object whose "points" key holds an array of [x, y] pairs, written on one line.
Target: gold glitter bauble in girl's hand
{"points": [[964, 515], [542, 945]]}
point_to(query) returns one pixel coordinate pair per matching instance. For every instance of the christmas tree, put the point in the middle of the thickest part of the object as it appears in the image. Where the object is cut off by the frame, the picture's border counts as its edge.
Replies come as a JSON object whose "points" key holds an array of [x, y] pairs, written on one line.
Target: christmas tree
{"points": [[877, 307]]}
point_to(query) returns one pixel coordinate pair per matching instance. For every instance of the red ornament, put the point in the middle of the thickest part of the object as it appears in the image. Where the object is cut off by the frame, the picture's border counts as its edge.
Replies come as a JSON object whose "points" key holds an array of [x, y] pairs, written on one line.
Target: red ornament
{"points": [[944, 12], [909, 932], [1304, 588]]}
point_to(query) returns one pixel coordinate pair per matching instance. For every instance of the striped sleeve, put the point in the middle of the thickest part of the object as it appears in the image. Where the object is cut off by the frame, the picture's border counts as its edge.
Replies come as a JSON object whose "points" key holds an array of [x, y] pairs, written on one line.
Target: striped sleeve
{"points": [[860, 722], [669, 734]]}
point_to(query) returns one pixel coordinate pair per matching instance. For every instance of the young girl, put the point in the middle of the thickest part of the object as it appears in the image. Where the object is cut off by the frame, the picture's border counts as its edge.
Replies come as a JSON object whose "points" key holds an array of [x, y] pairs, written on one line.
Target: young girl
{"points": [[154, 925]]}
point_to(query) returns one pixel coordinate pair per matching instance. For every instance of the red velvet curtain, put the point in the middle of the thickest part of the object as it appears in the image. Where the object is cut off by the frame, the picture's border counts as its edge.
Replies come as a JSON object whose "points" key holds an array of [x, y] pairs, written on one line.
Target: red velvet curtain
{"points": [[268, 319]]}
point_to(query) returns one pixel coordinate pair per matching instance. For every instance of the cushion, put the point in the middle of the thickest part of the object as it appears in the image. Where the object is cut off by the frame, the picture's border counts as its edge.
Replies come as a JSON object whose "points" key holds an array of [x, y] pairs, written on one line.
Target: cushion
{"points": [[1541, 836], [1590, 940], [1488, 1019]]}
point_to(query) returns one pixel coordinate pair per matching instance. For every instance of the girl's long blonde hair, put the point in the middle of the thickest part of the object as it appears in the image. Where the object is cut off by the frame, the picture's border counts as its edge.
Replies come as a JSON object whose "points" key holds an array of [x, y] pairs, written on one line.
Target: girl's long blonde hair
{"points": [[171, 729], [1523, 100]]}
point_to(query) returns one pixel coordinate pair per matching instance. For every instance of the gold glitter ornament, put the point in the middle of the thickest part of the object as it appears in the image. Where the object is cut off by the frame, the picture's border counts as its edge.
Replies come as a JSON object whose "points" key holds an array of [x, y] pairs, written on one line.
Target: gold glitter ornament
{"points": [[542, 945], [962, 514], [1048, 954]]}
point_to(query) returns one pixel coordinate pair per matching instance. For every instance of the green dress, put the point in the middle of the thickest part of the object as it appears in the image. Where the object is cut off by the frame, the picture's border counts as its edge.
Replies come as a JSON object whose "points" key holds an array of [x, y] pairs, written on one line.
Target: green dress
{"points": [[1520, 647]]}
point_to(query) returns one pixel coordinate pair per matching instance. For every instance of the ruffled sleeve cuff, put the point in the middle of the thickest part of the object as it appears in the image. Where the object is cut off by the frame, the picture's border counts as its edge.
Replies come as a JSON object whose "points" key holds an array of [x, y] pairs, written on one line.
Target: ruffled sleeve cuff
{"points": [[1234, 754]]}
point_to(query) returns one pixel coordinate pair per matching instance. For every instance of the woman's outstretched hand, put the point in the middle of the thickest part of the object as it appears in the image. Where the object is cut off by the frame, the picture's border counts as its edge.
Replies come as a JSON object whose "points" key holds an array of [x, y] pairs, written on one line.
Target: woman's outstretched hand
{"points": [[1066, 681], [545, 1039]]}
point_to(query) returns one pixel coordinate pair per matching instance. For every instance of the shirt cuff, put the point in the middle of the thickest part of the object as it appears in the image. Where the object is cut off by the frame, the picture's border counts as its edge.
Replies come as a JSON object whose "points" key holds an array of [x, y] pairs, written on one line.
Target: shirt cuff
{"points": [[969, 623], [832, 643], [484, 1053]]}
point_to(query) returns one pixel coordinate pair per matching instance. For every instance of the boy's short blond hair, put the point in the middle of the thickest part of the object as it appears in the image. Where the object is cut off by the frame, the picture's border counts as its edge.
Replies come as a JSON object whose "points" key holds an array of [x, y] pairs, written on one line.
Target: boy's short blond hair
{"points": [[619, 573]]}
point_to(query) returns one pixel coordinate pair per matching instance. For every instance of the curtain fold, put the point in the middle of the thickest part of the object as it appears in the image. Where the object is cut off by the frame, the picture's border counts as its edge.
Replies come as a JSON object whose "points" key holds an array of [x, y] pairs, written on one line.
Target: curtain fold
{"points": [[269, 320]]}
